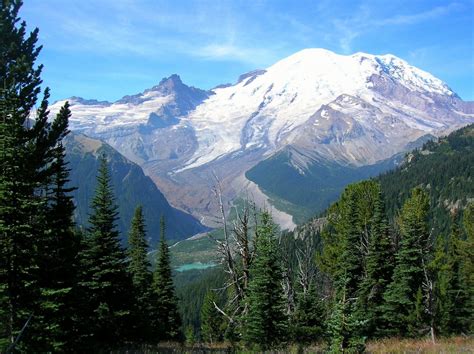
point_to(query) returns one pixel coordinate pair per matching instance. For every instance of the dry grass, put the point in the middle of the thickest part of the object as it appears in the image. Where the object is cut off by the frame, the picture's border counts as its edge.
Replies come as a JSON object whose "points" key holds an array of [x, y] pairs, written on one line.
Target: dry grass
{"points": [[442, 345], [392, 345]]}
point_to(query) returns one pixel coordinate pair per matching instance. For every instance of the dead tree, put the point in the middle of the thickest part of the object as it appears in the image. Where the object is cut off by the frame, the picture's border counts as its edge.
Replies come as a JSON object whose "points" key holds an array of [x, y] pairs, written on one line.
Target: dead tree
{"points": [[235, 253], [305, 255]]}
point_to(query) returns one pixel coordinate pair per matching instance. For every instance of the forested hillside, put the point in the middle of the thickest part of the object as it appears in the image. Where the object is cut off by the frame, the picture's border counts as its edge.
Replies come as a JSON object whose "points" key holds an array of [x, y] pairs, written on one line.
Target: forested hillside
{"points": [[131, 188], [393, 256], [305, 193], [444, 168]]}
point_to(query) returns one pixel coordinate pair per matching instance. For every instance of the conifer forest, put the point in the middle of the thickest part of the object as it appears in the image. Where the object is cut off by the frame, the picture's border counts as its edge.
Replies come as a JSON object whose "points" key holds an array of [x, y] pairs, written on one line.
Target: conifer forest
{"points": [[392, 258]]}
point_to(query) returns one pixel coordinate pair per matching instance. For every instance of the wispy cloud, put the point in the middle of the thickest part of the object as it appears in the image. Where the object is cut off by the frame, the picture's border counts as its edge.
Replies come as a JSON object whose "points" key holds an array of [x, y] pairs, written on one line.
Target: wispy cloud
{"points": [[365, 20], [145, 38], [412, 19], [135, 28]]}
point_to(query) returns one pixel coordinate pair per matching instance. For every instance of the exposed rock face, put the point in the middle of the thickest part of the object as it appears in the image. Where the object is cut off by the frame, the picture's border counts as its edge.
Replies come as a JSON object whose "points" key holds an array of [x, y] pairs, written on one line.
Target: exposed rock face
{"points": [[354, 110]]}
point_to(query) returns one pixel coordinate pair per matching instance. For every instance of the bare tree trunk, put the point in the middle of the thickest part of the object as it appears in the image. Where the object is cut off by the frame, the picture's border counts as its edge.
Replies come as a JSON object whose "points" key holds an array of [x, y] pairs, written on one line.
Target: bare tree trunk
{"points": [[234, 245], [428, 287]]}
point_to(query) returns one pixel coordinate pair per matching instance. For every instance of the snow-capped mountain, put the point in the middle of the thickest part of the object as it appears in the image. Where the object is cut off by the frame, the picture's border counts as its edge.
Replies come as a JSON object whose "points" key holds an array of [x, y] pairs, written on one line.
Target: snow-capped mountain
{"points": [[354, 110]]}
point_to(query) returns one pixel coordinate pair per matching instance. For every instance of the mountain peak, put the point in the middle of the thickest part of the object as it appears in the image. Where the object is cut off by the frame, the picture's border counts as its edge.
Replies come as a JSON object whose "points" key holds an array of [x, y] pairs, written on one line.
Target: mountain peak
{"points": [[172, 80], [325, 65]]}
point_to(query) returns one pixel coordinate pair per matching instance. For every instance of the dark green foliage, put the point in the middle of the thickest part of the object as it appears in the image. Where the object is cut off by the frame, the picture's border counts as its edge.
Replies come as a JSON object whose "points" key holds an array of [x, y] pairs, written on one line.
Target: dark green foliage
{"points": [[139, 269], [445, 169], [379, 263], [307, 322], [139, 265], [18, 95], [466, 271], [55, 324], [105, 282], [131, 186], [453, 294], [211, 319], [191, 288], [347, 236], [309, 193], [168, 320], [265, 324], [356, 255], [32, 197], [403, 311], [343, 327]]}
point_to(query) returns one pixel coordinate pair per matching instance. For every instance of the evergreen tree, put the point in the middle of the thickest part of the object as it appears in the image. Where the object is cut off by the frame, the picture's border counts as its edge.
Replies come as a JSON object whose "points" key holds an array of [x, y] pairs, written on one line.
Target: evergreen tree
{"points": [[438, 266], [343, 325], [403, 297], [18, 95], [346, 239], [211, 320], [55, 322], [168, 318], [105, 280], [379, 269], [27, 153], [139, 269], [139, 266], [265, 324], [453, 288], [466, 271], [307, 322], [351, 247]]}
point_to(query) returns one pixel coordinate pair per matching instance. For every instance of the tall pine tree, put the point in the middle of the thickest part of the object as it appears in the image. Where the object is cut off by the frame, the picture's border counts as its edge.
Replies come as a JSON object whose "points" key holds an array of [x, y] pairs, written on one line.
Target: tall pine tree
{"points": [[105, 282], [55, 322], [211, 319], [403, 310], [168, 320], [379, 269], [307, 322], [27, 153], [454, 286], [466, 249], [139, 268], [265, 324]]}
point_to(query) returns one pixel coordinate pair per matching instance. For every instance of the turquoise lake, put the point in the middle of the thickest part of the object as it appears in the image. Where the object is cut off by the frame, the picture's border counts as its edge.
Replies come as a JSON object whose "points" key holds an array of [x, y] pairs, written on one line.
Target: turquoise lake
{"points": [[195, 265]]}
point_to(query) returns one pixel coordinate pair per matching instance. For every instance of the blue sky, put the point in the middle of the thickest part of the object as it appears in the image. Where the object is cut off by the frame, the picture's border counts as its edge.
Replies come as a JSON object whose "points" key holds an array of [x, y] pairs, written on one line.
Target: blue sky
{"points": [[106, 49]]}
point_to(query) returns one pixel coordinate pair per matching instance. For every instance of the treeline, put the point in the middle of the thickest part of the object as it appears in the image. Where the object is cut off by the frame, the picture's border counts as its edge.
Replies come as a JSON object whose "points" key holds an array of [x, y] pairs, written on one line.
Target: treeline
{"points": [[356, 278], [61, 289], [444, 168]]}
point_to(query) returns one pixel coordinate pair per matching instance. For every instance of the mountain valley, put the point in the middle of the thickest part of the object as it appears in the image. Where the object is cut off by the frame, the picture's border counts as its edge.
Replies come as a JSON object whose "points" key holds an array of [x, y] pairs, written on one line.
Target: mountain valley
{"points": [[318, 116]]}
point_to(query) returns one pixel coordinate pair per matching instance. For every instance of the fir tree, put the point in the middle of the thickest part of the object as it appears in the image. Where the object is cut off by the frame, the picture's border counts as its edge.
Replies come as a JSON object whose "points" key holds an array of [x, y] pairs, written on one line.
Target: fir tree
{"points": [[403, 297], [139, 266], [56, 320], [211, 320], [343, 325], [26, 169], [105, 281], [18, 95], [265, 324], [168, 318], [308, 319], [379, 269], [454, 293], [442, 272], [139, 269], [466, 271]]}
